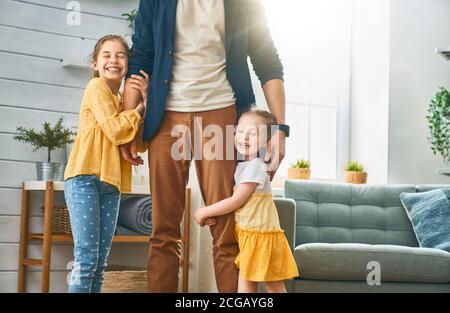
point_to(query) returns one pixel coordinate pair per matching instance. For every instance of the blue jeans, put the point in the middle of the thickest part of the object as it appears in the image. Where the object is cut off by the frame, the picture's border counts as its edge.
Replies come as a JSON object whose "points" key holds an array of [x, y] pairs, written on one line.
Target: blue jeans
{"points": [[93, 208]]}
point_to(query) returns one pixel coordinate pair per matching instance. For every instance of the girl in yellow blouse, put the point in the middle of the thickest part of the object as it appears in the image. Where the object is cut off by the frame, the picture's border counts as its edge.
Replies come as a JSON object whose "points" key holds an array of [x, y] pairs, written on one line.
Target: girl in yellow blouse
{"points": [[96, 174], [264, 253]]}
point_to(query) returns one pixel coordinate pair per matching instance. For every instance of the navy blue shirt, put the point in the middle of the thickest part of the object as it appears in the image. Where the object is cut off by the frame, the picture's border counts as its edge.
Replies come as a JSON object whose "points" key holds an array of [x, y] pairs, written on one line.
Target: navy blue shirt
{"points": [[246, 35]]}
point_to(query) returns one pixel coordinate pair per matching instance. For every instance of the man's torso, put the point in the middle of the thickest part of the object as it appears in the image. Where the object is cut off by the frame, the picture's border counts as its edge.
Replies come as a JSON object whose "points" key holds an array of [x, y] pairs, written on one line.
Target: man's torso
{"points": [[199, 81]]}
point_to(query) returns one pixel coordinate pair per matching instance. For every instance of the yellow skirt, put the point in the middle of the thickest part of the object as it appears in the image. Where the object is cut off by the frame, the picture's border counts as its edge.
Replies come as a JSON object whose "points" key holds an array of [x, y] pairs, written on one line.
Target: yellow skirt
{"points": [[264, 255]]}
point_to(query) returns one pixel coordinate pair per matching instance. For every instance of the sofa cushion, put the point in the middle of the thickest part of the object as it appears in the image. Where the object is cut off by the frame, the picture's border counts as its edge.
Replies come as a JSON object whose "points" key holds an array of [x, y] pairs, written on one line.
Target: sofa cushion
{"points": [[345, 213], [428, 187], [429, 213], [348, 261]]}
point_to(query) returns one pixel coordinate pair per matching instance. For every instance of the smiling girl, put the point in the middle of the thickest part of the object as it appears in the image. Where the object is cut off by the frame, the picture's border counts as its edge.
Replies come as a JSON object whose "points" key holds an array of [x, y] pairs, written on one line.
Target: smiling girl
{"points": [[264, 253], [96, 174]]}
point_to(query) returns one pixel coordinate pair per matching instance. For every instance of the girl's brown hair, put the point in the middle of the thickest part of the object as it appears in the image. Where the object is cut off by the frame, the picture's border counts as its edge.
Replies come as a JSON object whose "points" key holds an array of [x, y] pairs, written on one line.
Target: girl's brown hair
{"points": [[267, 117], [101, 42]]}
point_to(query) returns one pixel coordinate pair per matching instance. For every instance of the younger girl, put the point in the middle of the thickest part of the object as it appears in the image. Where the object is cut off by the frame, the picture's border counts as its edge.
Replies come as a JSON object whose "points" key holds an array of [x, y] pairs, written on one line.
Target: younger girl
{"points": [[96, 174], [264, 253]]}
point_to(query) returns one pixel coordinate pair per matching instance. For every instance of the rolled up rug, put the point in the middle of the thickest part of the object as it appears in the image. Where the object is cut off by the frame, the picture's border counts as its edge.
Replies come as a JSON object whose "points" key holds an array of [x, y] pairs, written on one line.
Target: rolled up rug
{"points": [[136, 214]]}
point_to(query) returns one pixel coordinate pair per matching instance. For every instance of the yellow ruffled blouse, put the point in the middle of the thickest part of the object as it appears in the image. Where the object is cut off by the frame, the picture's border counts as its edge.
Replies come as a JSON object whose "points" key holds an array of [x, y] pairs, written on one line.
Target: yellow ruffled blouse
{"points": [[103, 126], [264, 252]]}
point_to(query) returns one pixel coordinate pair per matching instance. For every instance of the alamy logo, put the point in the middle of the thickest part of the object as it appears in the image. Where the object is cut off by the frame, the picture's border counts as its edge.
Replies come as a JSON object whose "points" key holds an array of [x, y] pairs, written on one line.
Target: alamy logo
{"points": [[374, 276], [74, 16]]}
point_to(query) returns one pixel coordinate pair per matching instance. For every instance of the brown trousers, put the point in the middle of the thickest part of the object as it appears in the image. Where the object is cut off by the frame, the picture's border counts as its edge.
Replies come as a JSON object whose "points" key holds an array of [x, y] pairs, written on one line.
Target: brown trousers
{"points": [[168, 180]]}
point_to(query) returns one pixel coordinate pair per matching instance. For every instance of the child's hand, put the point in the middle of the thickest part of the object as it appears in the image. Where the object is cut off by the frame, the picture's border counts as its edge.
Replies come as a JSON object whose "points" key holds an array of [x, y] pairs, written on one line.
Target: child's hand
{"points": [[199, 218]]}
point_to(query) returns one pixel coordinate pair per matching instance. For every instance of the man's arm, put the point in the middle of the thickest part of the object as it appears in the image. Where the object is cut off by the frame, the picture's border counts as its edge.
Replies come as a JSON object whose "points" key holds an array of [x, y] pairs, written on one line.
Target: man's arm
{"points": [[267, 66], [275, 97], [143, 49], [261, 48], [141, 59]]}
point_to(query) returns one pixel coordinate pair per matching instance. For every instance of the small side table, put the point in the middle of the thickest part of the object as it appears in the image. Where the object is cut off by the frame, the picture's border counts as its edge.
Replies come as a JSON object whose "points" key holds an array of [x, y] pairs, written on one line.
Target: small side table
{"points": [[48, 238]]}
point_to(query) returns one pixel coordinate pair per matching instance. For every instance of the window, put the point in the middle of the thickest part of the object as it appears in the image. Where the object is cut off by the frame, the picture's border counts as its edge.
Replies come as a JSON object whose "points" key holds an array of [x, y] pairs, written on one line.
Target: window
{"points": [[313, 38]]}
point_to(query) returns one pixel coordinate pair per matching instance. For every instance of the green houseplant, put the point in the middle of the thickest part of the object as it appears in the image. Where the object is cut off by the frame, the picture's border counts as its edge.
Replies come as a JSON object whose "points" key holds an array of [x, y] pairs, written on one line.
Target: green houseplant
{"points": [[354, 173], [50, 138], [300, 170], [131, 18], [439, 123]]}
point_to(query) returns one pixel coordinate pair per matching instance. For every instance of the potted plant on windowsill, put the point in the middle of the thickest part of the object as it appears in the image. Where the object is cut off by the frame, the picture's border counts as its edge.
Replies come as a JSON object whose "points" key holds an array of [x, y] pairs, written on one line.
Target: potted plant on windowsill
{"points": [[439, 126], [50, 138], [300, 170], [354, 173]]}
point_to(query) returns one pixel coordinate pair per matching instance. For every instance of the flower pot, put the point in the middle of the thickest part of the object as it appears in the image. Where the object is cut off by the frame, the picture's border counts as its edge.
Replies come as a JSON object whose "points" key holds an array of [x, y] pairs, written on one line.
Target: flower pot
{"points": [[299, 173], [53, 171], [355, 177]]}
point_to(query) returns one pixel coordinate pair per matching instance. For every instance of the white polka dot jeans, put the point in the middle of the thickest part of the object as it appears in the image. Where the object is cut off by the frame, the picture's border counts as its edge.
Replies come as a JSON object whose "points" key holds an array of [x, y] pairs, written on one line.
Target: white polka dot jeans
{"points": [[93, 208]]}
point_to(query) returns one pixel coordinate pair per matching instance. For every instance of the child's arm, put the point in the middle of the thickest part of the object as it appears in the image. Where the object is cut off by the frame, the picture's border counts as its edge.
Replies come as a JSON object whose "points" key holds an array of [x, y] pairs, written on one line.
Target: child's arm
{"points": [[140, 84], [228, 205], [119, 128]]}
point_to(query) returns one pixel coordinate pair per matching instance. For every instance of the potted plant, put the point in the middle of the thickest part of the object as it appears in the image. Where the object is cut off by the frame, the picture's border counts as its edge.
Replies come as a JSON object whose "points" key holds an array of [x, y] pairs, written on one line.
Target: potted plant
{"points": [[131, 18], [354, 173], [300, 170], [439, 124], [50, 138]]}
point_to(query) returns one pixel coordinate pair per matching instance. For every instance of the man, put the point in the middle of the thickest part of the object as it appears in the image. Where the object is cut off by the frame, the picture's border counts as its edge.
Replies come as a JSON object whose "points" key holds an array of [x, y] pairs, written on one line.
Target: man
{"points": [[196, 54]]}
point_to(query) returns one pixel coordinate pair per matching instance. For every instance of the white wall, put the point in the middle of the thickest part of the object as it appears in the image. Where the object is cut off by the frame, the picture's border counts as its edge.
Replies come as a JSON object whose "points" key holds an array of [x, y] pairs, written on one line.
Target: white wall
{"points": [[34, 87], [416, 72], [370, 87], [313, 40]]}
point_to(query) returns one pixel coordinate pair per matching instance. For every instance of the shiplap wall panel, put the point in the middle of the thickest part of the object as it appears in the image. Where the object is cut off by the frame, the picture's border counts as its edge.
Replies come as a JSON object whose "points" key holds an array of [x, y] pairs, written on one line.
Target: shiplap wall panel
{"points": [[11, 117], [47, 19], [40, 96], [35, 87], [58, 282], [94, 6], [19, 151], [45, 45], [11, 200], [10, 228], [62, 254], [14, 173], [42, 70]]}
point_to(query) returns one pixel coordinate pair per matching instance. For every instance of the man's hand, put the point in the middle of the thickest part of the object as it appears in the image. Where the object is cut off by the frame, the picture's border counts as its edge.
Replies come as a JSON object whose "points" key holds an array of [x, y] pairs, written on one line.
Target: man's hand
{"points": [[275, 152], [129, 153], [140, 84], [210, 221]]}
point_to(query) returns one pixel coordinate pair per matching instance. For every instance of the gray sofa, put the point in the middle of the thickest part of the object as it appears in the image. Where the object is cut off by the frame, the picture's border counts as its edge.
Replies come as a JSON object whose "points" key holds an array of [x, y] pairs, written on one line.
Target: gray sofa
{"points": [[336, 230]]}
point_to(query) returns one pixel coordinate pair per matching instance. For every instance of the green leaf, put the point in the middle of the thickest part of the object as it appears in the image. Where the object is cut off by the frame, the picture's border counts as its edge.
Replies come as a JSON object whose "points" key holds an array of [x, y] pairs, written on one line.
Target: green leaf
{"points": [[439, 123], [49, 138]]}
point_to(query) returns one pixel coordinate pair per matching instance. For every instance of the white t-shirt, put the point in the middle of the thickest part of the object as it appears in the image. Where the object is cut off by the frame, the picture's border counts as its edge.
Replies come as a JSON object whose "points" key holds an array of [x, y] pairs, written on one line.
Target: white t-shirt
{"points": [[199, 81], [253, 171]]}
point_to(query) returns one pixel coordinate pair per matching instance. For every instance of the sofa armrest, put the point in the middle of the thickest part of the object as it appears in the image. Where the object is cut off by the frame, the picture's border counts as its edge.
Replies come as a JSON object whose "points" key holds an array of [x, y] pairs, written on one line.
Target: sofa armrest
{"points": [[286, 213]]}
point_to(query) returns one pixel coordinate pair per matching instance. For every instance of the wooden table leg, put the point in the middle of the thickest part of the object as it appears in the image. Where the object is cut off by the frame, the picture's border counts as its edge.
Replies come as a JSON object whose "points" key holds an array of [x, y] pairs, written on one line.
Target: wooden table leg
{"points": [[186, 230], [21, 284], [47, 243]]}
